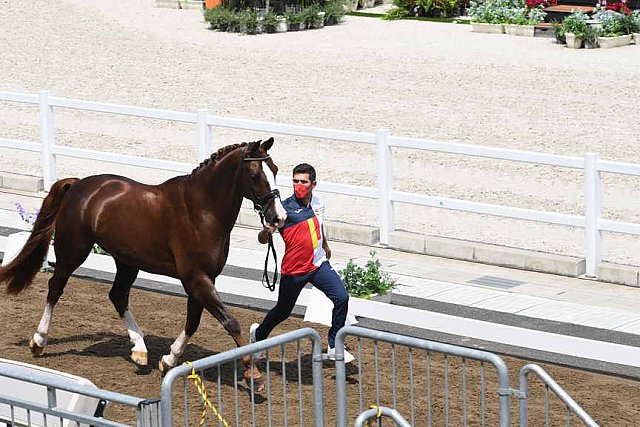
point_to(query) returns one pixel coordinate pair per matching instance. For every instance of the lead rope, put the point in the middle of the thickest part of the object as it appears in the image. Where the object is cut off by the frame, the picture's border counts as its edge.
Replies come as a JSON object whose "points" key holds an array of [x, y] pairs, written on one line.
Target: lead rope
{"points": [[265, 274]]}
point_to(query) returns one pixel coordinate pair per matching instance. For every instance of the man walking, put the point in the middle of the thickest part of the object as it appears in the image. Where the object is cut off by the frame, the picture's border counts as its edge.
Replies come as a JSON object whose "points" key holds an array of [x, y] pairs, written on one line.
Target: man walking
{"points": [[306, 260]]}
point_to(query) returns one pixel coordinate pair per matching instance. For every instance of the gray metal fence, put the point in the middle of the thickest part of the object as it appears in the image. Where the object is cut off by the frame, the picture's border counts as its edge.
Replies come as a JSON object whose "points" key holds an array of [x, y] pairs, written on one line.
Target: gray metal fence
{"points": [[570, 406], [448, 391], [285, 400], [428, 382], [34, 396]]}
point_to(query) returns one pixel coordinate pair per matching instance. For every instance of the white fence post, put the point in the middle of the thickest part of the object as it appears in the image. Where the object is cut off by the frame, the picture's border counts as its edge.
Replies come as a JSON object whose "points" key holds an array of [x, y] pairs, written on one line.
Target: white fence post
{"points": [[592, 198], [205, 142], [385, 178], [47, 137]]}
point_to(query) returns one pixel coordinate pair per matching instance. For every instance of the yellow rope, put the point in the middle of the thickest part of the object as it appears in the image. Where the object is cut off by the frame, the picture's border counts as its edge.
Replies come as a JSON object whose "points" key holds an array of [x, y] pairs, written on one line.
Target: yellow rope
{"points": [[378, 415], [202, 390]]}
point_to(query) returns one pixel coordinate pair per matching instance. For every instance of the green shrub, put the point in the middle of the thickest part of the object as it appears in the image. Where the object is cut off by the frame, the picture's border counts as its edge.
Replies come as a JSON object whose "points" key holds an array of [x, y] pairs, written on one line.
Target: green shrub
{"points": [[333, 12], [576, 23], [395, 13], [364, 282]]}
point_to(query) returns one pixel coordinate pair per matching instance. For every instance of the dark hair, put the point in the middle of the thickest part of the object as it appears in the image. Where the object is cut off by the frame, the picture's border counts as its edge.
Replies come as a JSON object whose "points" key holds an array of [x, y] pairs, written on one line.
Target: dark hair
{"points": [[305, 168]]}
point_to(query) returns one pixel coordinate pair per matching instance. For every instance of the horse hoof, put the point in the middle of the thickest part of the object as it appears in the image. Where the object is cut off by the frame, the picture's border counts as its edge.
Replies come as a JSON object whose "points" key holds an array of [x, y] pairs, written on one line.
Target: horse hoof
{"points": [[139, 358], [258, 382], [36, 350], [164, 367]]}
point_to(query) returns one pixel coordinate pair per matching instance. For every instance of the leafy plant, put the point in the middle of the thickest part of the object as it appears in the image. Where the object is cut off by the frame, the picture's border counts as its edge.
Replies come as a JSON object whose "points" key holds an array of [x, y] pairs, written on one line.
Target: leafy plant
{"points": [[446, 7], [395, 13], [364, 282], [218, 17], [270, 22], [614, 26], [426, 5], [333, 12], [250, 22], [576, 23], [294, 17], [310, 16], [493, 11]]}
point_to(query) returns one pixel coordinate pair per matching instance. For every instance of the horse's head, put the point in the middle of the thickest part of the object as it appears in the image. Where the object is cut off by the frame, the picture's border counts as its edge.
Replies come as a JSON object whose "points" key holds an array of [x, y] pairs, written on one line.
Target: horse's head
{"points": [[259, 182]]}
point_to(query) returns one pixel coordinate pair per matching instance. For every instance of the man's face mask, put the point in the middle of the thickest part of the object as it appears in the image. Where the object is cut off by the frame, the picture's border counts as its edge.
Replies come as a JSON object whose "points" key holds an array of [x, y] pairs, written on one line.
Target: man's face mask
{"points": [[301, 191]]}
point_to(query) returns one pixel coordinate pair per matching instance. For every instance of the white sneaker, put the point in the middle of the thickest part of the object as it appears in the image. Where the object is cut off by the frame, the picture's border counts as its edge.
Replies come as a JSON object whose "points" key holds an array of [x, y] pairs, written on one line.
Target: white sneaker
{"points": [[331, 355], [252, 338]]}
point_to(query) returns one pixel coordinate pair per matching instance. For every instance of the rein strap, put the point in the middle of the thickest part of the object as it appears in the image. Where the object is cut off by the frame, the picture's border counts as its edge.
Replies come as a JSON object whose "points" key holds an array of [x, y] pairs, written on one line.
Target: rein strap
{"points": [[265, 274]]}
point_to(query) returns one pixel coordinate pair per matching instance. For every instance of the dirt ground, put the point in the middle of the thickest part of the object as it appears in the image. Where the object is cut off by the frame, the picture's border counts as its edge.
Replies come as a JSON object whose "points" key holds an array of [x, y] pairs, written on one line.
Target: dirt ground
{"points": [[88, 339]]}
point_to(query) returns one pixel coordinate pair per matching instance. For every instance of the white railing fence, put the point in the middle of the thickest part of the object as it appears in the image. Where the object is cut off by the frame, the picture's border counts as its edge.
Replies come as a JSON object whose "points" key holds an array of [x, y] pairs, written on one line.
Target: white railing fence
{"points": [[205, 121]]}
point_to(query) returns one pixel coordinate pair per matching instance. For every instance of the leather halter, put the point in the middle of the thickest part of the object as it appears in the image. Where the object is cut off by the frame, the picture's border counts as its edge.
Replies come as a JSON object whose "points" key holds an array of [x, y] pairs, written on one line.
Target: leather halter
{"points": [[260, 204]]}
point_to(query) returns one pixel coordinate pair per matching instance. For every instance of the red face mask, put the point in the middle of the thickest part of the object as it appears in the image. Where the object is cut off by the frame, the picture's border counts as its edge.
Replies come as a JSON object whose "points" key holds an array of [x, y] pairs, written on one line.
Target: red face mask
{"points": [[300, 190]]}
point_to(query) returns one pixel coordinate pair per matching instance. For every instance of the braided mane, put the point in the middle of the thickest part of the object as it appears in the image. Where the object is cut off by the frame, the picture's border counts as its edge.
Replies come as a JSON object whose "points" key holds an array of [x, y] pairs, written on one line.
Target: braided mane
{"points": [[217, 156]]}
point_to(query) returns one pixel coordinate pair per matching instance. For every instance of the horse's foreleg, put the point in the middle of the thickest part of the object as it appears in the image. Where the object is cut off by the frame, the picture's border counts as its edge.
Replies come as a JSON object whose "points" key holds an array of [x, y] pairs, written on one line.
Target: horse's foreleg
{"points": [[139, 351], [194, 314]]}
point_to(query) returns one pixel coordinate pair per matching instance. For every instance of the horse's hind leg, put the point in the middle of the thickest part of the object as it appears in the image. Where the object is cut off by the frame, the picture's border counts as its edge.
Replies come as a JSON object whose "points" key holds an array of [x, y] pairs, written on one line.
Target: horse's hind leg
{"points": [[66, 263], [119, 296]]}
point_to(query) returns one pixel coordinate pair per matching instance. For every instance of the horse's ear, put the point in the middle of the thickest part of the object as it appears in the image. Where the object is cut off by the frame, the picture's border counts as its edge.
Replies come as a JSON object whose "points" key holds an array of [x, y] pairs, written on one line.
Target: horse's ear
{"points": [[252, 147], [267, 144]]}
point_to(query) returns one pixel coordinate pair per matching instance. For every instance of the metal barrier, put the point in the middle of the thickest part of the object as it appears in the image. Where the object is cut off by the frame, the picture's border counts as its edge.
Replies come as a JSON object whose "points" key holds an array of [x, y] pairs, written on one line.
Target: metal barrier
{"points": [[570, 405], [420, 368], [375, 413], [428, 393], [278, 401], [43, 397]]}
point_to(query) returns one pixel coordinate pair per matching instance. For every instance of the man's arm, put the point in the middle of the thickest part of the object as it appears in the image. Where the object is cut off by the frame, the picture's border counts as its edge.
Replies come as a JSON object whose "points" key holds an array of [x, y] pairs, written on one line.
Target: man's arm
{"points": [[325, 244]]}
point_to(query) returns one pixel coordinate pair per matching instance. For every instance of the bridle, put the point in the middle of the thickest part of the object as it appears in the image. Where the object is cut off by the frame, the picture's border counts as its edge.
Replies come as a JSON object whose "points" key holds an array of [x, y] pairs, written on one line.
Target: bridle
{"points": [[260, 205]]}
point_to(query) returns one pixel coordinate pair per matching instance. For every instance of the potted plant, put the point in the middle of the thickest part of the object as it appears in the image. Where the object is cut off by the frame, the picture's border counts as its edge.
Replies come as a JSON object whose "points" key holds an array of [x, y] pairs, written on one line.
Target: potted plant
{"points": [[295, 19], [250, 23], [575, 28], [488, 16], [312, 18], [333, 12], [270, 22], [615, 31], [217, 17], [368, 281], [634, 25]]}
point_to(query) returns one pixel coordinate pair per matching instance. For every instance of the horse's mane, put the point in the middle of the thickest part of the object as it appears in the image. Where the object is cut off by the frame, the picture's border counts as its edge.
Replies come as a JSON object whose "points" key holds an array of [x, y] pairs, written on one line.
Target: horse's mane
{"points": [[217, 156]]}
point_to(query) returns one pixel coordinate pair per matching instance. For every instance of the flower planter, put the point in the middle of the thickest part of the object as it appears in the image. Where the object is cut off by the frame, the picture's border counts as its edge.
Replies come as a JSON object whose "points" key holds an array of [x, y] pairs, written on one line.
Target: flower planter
{"points": [[320, 23], [282, 26], [573, 42], [609, 42], [351, 5], [481, 27], [519, 30]]}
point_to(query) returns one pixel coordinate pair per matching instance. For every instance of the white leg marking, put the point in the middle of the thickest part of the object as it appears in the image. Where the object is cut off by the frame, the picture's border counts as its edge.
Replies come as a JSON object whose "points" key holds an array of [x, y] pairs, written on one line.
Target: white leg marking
{"points": [[135, 334], [40, 337], [177, 348]]}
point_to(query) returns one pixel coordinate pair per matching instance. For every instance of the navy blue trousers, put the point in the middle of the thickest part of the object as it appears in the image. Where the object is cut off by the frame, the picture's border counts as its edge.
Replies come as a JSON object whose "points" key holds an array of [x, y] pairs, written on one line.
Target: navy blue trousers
{"points": [[324, 278]]}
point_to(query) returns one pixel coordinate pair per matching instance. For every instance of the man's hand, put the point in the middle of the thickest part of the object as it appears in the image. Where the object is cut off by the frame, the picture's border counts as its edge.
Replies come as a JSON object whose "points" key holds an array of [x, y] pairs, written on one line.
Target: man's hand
{"points": [[327, 249], [263, 235]]}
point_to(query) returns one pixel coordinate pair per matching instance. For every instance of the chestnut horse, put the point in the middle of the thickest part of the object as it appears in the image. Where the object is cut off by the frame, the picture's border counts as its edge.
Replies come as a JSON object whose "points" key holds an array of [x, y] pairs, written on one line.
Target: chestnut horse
{"points": [[180, 228]]}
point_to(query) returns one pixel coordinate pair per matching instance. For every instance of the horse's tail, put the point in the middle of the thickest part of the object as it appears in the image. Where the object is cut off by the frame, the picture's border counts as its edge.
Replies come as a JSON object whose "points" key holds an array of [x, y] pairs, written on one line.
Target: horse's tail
{"points": [[23, 268]]}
